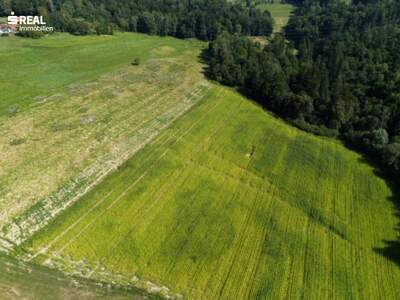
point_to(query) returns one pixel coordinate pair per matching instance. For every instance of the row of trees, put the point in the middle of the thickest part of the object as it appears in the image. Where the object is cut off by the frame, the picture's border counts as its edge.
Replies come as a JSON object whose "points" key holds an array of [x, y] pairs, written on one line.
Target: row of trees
{"points": [[335, 71], [203, 19]]}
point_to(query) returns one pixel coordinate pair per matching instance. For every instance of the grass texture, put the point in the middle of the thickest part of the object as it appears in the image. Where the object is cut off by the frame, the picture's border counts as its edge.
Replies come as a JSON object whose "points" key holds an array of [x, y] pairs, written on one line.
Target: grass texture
{"points": [[229, 202]]}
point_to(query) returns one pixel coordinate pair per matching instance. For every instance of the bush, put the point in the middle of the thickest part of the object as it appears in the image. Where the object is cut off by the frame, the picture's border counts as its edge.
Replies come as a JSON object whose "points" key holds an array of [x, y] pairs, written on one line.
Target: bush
{"points": [[104, 28], [136, 62], [81, 27], [391, 157]]}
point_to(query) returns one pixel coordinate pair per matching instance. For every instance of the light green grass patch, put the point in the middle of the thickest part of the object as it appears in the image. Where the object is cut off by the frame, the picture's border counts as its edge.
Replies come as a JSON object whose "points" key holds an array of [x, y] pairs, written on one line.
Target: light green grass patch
{"points": [[39, 68], [280, 12]]}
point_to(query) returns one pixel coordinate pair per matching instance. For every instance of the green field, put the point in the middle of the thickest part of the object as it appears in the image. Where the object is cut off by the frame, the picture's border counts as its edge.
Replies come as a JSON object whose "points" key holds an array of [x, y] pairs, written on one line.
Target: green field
{"points": [[72, 109], [25, 281], [231, 203], [152, 177], [68, 60]]}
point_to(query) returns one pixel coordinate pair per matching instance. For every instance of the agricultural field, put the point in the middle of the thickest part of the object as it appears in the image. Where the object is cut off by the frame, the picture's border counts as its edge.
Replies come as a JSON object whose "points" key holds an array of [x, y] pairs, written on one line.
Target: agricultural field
{"points": [[74, 108], [70, 60], [229, 202]]}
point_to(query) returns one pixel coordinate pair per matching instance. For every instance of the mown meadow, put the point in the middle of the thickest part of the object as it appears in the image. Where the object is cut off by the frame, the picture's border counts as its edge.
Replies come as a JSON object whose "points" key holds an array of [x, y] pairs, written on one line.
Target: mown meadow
{"points": [[74, 108], [230, 202], [40, 68]]}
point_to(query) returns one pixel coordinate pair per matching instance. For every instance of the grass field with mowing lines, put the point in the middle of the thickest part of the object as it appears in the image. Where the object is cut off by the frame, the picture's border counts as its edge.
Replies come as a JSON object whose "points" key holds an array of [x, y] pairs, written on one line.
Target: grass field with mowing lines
{"points": [[232, 203], [26, 281], [86, 110]]}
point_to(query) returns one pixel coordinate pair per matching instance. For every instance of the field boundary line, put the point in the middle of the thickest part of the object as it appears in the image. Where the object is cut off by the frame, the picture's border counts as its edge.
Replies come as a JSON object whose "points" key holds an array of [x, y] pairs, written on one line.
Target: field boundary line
{"points": [[97, 174], [158, 197], [133, 184], [44, 250], [26, 225]]}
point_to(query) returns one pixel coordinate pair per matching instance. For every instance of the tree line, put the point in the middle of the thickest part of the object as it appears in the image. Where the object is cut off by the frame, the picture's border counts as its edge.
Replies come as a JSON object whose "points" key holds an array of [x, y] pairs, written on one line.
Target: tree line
{"points": [[334, 71], [202, 19]]}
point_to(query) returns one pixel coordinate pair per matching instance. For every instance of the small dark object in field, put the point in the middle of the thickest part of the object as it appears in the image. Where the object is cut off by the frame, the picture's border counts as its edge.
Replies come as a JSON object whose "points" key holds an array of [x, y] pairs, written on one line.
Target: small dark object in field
{"points": [[16, 142], [136, 62], [253, 149]]}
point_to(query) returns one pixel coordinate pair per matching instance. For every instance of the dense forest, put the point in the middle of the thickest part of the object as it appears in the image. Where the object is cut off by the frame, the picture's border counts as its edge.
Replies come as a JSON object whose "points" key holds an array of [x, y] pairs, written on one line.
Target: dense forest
{"points": [[334, 71], [203, 19]]}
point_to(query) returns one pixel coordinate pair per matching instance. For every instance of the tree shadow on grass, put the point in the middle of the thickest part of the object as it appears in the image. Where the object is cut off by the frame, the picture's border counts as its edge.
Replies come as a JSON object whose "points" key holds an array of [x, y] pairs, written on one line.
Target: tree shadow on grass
{"points": [[204, 59], [391, 250]]}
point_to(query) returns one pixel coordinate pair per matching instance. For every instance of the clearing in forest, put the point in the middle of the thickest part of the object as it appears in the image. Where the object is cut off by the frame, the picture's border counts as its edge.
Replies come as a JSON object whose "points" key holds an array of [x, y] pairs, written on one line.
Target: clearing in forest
{"points": [[74, 108], [280, 12]]}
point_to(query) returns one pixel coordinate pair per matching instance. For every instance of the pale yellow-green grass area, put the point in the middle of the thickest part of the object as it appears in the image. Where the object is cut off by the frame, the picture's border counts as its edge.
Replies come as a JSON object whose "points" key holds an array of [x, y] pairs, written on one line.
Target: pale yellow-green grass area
{"points": [[231, 203], [280, 12], [86, 110]]}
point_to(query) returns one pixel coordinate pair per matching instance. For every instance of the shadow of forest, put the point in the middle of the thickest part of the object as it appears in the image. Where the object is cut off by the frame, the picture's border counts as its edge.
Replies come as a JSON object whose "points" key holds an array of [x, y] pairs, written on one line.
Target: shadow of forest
{"points": [[391, 250]]}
